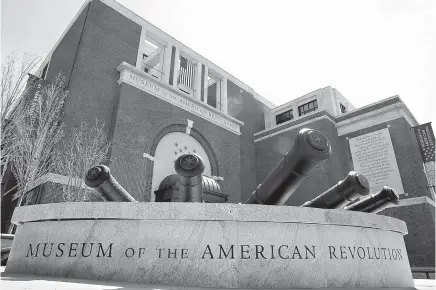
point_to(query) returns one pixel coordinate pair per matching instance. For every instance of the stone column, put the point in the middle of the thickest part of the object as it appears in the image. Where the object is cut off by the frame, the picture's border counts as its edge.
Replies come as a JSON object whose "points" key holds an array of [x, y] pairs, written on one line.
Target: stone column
{"points": [[224, 95], [206, 72], [197, 85], [176, 67], [167, 63]]}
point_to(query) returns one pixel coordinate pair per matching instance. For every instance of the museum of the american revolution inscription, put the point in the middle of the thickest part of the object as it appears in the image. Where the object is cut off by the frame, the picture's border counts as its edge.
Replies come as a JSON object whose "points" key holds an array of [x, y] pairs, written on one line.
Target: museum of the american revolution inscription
{"points": [[373, 156], [211, 252]]}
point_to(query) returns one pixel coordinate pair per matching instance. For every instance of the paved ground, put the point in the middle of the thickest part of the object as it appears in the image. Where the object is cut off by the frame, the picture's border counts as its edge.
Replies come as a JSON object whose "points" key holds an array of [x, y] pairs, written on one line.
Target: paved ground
{"points": [[29, 282]]}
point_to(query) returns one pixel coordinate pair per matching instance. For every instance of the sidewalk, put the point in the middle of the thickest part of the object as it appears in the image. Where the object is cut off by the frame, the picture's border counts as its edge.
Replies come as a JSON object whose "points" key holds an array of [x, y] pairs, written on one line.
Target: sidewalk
{"points": [[29, 282]]}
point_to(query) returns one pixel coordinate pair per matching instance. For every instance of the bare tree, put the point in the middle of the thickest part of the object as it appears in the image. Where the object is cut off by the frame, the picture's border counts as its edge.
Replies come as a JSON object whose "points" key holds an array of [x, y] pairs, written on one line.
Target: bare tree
{"points": [[87, 147], [36, 132], [13, 86]]}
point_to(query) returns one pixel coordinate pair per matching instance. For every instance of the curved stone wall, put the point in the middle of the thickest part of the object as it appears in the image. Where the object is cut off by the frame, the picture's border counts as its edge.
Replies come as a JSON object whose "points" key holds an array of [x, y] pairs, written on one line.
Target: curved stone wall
{"points": [[211, 245]]}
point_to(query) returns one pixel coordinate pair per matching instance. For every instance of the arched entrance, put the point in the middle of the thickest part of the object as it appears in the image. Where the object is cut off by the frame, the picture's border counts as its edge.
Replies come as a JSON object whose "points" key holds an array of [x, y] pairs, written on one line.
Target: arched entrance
{"points": [[171, 146]]}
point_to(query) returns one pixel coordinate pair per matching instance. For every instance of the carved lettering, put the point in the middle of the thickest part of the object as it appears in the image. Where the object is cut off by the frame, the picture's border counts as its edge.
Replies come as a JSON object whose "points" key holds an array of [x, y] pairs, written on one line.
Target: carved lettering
{"points": [[100, 250], [296, 252], [33, 254], [259, 251], [373, 156], [352, 252], [375, 253], [280, 252], [174, 254], [51, 248], [219, 251], [369, 255], [223, 253], [312, 253], [141, 250], [272, 251], [207, 251], [245, 251], [361, 256], [150, 87], [129, 252], [73, 249], [160, 252], [83, 249], [332, 253], [60, 252], [400, 257], [343, 253]]}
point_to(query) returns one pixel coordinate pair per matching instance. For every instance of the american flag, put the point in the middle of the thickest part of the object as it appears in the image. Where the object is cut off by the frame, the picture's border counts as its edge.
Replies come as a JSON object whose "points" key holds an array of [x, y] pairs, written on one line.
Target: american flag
{"points": [[426, 141]]}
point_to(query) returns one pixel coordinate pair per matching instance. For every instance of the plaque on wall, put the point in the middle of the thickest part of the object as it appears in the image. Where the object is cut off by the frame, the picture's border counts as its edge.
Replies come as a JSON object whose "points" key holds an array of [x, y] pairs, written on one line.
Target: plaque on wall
{"points": [[374, 157]]}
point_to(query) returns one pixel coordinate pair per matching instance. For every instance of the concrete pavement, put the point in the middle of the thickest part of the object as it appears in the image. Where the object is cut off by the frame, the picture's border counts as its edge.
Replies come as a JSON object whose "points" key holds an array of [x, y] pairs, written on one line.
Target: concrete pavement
{"points": [[30, 282]]}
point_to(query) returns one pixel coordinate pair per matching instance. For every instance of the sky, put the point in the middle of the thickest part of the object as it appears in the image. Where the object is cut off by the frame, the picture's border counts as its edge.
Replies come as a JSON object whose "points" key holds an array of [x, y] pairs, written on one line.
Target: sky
{"points": [[368, 50]]}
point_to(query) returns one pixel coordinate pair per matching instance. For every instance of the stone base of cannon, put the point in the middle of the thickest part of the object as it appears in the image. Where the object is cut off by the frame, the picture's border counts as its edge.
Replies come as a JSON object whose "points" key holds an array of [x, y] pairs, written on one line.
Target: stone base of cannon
{"points": [[211, 245]]}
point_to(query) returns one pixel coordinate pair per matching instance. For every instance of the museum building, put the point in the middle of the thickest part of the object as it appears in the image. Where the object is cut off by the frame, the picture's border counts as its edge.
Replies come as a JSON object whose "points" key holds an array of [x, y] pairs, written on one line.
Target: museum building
{"points": [[158, 99]]}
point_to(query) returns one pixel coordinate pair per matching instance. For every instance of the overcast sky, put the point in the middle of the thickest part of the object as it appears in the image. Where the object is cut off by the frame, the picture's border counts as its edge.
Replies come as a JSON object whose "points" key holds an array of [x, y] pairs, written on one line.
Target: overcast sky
{"points": [[367, 49]]}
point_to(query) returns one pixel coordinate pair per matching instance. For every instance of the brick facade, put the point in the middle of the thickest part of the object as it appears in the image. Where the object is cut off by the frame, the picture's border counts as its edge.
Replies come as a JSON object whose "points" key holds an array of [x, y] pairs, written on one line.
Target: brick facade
{"points": [[102, 38]]}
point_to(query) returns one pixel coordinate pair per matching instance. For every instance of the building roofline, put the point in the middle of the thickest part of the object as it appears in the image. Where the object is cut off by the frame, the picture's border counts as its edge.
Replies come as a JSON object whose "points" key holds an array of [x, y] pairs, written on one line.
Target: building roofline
{"points": [[284, 105], [361, 110], [47, 58], [138, 19]]}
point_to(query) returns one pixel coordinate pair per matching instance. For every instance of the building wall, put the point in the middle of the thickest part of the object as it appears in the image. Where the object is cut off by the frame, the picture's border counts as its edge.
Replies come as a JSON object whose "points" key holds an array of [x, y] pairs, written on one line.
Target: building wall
{"points": [[107, 40], [271, 150], [338, 99], [327, 98], [244, 107], [406, 152], [64, 55], [420, 240], [140, 122]]}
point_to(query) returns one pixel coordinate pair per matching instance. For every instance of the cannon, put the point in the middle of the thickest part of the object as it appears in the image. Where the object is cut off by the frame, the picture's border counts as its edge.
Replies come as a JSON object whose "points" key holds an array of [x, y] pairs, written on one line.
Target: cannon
{"points": [[310, 148], [100, 179], [375, 202], [189, 167], [346, 191]]}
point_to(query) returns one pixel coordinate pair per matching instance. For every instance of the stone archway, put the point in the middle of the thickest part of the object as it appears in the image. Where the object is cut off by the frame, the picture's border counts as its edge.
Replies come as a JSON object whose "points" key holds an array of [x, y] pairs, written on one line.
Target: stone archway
{"points": [[205, 144]]}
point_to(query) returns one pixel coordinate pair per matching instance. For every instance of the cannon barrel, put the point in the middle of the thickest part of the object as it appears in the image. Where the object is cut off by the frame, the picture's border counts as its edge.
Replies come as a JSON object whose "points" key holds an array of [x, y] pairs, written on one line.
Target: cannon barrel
{"points": [[189, 167], [346, 191], [100, 179], [310, 148], [375, 202]]}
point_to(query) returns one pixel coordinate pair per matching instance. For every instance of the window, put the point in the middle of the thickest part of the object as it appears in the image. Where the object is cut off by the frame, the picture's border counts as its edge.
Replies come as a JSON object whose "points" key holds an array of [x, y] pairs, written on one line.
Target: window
{"points": [[186, 79], [153, 57], [308, 107], [284, 117], [343, 109], [214, 94]]}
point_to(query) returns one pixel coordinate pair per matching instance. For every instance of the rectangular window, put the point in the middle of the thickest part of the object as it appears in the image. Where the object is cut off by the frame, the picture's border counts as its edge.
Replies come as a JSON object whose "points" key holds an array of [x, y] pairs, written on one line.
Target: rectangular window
{"points": [[343, 109], [214, 93], [186, 79], [308, 107], [153, 57], [284, 117]]}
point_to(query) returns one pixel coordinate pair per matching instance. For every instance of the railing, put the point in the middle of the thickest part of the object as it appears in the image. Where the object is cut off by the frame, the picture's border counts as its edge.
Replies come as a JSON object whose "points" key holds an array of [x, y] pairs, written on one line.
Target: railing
{"points": [[186, 80], [423, 270], [153, 64], [152, 71]]}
